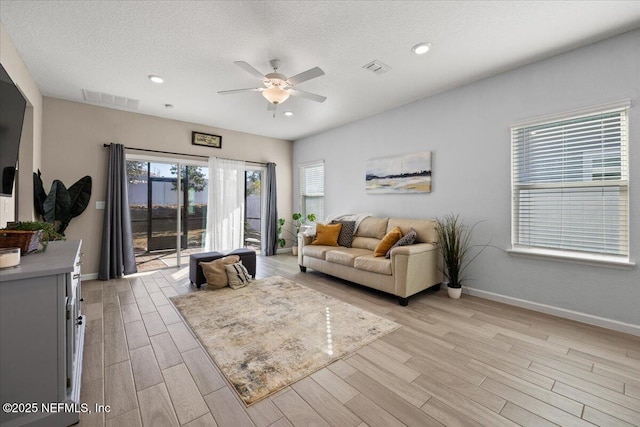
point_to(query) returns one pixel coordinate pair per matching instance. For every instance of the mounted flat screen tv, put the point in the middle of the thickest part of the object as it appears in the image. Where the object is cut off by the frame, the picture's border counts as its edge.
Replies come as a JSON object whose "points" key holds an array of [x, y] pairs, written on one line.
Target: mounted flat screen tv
{"points": [[12, 108]]}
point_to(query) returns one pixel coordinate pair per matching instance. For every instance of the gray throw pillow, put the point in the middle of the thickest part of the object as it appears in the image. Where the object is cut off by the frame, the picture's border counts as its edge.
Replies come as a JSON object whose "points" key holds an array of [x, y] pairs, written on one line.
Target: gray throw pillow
{"points": [[407, 239], [345, 238]]}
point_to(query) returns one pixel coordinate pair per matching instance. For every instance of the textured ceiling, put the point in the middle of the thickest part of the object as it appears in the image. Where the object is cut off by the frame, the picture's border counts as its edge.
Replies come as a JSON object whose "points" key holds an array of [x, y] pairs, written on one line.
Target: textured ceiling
{"points": [[112, 46]]}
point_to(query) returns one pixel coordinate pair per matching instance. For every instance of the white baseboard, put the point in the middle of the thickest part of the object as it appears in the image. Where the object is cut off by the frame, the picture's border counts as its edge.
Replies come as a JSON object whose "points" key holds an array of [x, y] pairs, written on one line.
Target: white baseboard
{"points": [[90, 276], [283, 251], [557, 311]]}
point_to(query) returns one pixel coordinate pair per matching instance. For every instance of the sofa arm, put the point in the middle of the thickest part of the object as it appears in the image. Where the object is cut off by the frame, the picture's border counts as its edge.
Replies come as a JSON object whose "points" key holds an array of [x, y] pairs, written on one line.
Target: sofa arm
{"points": [[302, 242], [415, 268]]}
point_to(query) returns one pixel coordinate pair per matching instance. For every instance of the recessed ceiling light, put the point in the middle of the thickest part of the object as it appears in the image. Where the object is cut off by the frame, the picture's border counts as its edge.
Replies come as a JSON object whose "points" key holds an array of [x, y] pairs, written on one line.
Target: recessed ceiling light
{"points": [[155, 79], [288, 113], [421, 48]]}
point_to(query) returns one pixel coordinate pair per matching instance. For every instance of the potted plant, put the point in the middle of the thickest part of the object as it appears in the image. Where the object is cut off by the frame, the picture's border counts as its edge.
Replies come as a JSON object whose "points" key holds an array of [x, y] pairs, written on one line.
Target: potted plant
{"points": [[298, 221], [44, 232], [455, 245]]}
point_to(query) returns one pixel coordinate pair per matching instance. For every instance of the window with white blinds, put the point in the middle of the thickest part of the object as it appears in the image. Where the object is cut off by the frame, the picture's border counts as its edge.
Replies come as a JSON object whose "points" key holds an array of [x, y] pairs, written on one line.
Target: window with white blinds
{"points": [[570, 181], [312, 189]]}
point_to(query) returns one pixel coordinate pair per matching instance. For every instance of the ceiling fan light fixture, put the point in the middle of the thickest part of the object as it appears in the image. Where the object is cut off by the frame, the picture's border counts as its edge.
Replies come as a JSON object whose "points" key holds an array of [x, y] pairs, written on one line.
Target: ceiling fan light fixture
{"points": [[421, 48], [155, 78], [275, 95], [288, 113]]}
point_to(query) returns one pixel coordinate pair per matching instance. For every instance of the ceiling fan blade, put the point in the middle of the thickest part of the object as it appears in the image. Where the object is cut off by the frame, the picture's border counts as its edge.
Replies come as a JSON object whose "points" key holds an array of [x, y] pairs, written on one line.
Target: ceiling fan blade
{"points": [[252, 89], [249, 69], [303, 94], [306, 75]]}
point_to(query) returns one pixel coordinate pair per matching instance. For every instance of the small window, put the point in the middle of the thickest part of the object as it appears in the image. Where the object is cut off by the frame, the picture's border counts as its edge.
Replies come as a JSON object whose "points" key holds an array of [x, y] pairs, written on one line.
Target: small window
{"points": [[570, 185], [312, 189]]}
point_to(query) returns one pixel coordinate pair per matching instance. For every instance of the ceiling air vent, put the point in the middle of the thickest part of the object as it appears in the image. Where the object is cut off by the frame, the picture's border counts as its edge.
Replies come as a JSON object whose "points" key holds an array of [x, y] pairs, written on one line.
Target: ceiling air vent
{"points": [[110, 100], [377, 67]]}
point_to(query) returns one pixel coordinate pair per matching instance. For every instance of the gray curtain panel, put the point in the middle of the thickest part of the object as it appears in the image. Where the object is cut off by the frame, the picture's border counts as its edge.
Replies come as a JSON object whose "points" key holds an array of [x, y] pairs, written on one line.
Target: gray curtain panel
{"points": [[270, 242], [117, 258]]}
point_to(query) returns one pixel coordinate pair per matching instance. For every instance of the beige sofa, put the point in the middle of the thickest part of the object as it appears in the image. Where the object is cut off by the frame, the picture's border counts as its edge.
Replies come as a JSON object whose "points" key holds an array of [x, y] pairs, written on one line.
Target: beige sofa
{"points": [[409, 270]]}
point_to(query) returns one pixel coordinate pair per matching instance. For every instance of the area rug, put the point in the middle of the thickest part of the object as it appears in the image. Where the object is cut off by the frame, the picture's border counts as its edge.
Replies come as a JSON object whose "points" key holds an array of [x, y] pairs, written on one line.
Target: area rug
{"points": [[275, 332]]}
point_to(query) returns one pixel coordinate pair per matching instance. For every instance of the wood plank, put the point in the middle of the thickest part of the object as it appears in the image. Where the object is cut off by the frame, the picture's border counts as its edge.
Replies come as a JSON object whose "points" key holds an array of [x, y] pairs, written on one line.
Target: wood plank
{"points": [[154, 324], [182, 337], [447, 415], [526, 387], [112, 319], [523, 417], [136, 334], [129, 419], [165, 350], [588, 386], [560, 362], [159, 299], [204, 421], [185, 396], [264, 413], [601, 419], [156, 408], [145, 305], [145, 368], [169, 314], [371, 413], [328, 407], [205, 375], [391, 351], [226, 409], [115, 348], [632, 390], [533, 405], [341, 368], [598, 403], [424, 365], [297, 410], [119, 391], [130, 313], [408, 391], [335, 385], [389, 364], [390, 401], [462, 403]]}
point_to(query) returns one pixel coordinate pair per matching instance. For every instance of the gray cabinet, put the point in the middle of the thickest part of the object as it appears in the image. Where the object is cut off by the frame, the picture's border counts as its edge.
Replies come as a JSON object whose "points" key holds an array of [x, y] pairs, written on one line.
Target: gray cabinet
{"points": [[41, 338]]}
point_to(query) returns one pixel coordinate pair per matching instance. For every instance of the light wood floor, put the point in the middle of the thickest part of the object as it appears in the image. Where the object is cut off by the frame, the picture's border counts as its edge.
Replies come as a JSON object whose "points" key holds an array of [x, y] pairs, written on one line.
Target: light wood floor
{"points": [[468, 362]]}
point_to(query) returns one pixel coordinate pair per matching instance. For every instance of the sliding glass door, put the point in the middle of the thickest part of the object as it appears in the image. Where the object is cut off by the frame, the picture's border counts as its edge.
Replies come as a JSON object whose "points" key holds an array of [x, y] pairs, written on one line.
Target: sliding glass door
{"points": [[168, 210]]}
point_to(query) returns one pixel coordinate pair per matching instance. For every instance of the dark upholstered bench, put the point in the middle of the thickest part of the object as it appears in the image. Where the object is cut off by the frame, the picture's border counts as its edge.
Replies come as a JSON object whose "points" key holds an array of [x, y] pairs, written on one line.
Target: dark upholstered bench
{"points": [[247, 256]]}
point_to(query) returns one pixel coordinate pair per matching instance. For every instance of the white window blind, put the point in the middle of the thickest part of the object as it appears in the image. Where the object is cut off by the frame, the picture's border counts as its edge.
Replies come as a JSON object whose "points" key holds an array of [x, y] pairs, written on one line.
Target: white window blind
{"points": [[312, 189], [570, 185]]}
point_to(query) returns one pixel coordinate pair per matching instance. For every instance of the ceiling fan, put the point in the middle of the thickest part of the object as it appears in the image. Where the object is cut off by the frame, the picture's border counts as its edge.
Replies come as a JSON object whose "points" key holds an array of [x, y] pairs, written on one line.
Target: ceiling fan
{"points": [[278, 87]]}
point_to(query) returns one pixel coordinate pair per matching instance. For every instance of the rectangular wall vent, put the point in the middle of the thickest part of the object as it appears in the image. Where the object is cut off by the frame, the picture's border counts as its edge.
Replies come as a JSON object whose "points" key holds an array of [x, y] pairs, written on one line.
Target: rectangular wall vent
{"points": [[110, 100], [377, 67]]}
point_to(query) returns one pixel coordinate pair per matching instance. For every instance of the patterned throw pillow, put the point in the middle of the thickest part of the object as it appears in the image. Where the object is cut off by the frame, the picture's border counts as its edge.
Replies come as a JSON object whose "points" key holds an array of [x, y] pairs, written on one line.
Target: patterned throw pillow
{"points": [[345, 238], [407, 239], [238, 275]]}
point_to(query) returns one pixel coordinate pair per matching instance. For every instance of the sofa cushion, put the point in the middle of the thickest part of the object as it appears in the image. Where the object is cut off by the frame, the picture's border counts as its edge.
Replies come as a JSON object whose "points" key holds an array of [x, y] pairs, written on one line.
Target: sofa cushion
{"points": [[365, 243], [327, 234], [372, 227], [407, 239], [316, 251], [425, 228], [345, 256], [373, 264], [345, 238], [387, 241]]}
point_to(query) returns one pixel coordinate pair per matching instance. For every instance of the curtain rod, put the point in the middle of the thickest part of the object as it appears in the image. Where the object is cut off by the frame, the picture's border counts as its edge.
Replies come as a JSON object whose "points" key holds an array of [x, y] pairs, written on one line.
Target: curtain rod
{"points": [[182, 154]]}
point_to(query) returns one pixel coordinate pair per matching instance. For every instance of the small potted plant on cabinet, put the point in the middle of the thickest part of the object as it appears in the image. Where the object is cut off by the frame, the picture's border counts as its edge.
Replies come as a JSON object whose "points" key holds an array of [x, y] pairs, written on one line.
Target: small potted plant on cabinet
{"points": [[455, 245]]}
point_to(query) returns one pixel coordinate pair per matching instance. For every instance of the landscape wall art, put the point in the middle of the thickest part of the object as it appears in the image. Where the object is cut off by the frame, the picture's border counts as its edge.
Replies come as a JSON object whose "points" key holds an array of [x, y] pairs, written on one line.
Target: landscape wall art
{"points": [[408, 173]]}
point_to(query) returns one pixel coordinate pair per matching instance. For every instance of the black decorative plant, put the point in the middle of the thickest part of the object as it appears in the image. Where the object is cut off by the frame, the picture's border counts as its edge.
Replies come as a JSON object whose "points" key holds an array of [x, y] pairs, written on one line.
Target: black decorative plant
{"points": [[61, 205]]}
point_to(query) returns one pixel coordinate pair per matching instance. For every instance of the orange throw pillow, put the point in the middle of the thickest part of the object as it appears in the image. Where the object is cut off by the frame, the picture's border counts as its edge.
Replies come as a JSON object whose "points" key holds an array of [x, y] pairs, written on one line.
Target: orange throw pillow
{"points": [[387, 241], [327, 234]]}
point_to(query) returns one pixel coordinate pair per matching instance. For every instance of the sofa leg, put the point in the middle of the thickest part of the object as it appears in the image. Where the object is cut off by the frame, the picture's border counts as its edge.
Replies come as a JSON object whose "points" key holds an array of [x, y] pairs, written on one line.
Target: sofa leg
{"points": [[303, 269], [403, 301], [198, 286]]}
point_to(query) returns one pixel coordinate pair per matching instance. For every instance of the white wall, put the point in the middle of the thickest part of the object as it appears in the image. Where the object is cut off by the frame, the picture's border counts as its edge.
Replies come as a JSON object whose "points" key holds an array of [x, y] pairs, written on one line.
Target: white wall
{"points": [[467, 130]]}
